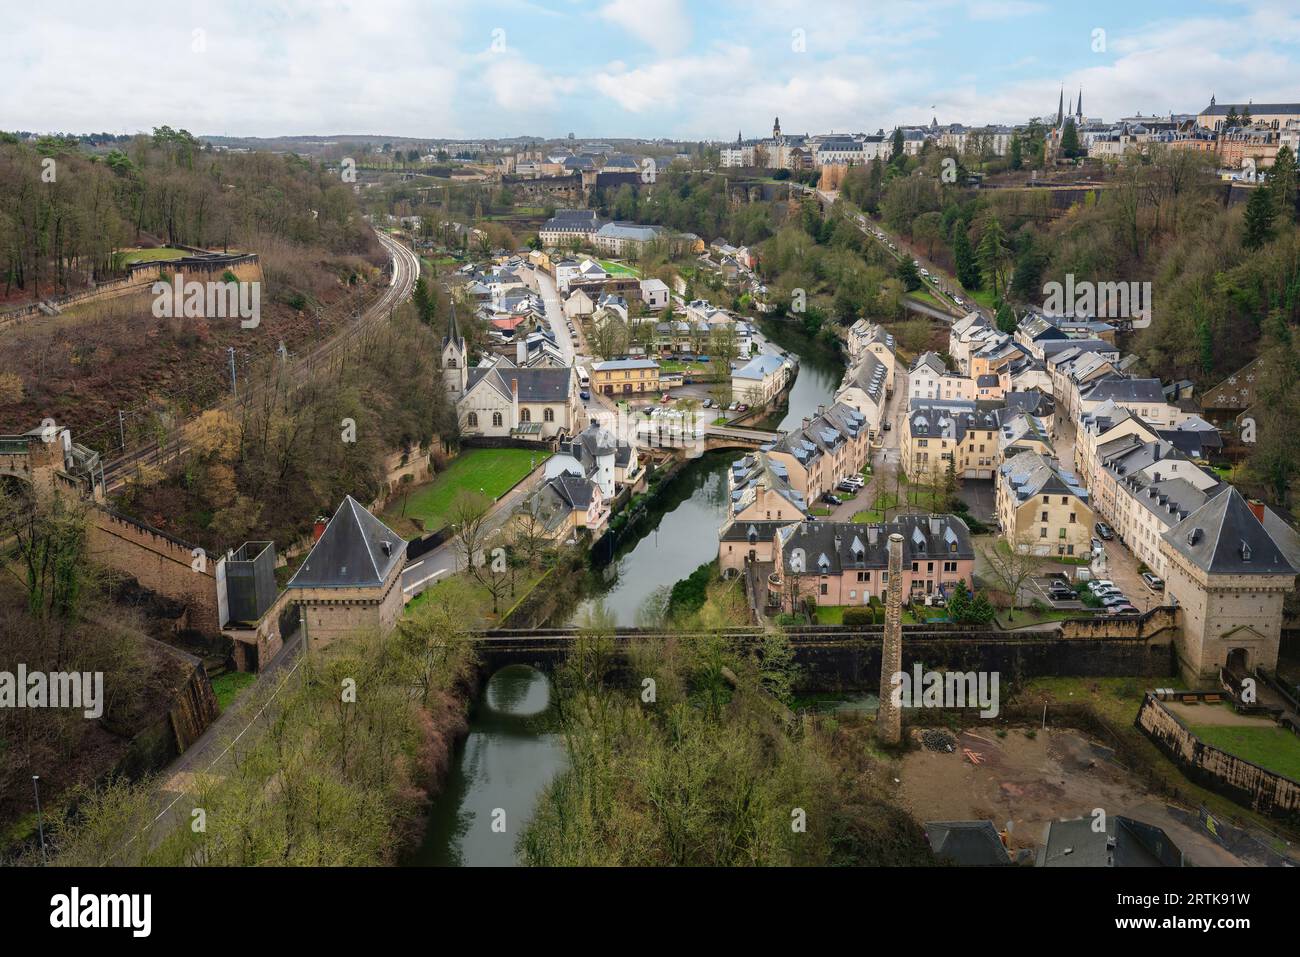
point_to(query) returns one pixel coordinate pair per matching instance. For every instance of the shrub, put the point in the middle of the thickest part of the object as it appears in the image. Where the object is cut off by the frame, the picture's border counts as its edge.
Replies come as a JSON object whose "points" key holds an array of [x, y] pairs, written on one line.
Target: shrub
{"points": [[859, 617]]}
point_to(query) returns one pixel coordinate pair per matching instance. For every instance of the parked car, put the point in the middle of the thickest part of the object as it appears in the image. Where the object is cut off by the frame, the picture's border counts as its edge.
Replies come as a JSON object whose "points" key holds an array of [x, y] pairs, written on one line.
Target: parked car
{"points": [[702, 359], [649, 410], [742, 407], [853, 480], [1104, 584], [1105, 531], [958, 300], [832, 499], [1123, 609], [848, 487], [1154, 582], [733, 407], [584, 395], [1110, 601], [707, 404], [1097, 546], [666, 399]]}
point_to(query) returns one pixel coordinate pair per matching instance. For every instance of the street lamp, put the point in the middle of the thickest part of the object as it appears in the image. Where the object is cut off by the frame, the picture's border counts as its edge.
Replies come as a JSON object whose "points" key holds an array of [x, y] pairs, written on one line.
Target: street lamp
{"points": [[40, 820]]}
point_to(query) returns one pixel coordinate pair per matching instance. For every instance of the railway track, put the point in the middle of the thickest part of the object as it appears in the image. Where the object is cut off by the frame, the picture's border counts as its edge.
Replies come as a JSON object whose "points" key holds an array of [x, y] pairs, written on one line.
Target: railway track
{"points": [[405, 269]]}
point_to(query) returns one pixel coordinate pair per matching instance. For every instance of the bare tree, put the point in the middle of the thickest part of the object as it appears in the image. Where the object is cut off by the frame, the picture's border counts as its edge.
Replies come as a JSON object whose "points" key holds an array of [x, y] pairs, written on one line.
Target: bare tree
{"points": [[1012, 563]]}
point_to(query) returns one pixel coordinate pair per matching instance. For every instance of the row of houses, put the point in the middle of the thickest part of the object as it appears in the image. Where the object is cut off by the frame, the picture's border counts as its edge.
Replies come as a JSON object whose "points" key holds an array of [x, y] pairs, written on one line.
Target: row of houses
{"points": [[1140, 463]]}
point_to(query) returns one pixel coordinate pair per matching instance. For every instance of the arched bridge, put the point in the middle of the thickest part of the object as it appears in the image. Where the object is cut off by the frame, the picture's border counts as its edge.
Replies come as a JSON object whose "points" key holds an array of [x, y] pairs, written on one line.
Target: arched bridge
{"points": [[833, 657], [732, 437]]}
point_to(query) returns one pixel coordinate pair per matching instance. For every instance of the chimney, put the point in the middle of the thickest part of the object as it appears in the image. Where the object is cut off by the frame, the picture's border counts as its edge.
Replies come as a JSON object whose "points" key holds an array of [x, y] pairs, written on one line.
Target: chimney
{"points": [[319, 529], [889, 718], [1256, 508], [521, 352], [514, 401], [936, 525]]}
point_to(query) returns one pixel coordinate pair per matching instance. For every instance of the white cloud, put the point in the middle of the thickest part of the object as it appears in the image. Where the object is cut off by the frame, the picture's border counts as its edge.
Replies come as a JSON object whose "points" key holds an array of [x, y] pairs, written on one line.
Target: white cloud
{"points": [[663, 25]]}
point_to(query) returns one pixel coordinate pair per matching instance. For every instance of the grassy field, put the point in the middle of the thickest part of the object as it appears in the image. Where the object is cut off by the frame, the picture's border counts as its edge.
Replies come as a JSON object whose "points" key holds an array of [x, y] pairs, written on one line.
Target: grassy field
{"points": [[923, 295], [494, 471], [129, 256], [916, 497], [1274, 748], [226, 687], [618, 269]]}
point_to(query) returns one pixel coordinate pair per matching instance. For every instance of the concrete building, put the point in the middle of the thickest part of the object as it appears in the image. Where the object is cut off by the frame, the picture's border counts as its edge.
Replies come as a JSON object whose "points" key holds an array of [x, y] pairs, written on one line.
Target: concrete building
{"points": [[625, 376], [760, 380]]}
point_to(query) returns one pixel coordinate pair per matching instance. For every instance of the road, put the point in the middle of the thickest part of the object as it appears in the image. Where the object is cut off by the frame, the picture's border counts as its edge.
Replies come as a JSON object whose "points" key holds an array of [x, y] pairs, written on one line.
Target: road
{"points": [[555, 317], [406, 269], [446, 559]]}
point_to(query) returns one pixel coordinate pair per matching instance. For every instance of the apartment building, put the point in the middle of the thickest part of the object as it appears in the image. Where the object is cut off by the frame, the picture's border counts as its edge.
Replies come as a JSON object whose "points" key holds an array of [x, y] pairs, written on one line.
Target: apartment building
{"points": [[825, 450], [929, 378], [939, 433], [625, 376], [1043, 509]]}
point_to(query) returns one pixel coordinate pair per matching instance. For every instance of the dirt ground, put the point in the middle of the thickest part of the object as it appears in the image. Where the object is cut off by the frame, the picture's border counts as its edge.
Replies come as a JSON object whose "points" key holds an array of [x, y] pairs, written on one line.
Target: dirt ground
{"points": [[1191, 714], [1059, 773]]}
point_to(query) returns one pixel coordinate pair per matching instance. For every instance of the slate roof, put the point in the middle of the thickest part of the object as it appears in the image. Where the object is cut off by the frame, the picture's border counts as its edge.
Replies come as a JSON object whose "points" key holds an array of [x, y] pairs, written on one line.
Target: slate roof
{"points": [[1031, 473], [1224, 537], [538, 384], [351, 553], [834, 547], [1122, 389], [759, 367], [966, 843], [938, 419], [1125, 843]]}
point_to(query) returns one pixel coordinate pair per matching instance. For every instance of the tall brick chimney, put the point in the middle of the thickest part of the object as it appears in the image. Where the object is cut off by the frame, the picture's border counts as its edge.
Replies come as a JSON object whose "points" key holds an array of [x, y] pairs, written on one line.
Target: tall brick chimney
{"points": [[319, 529], [1256, 508], [889, 719]]}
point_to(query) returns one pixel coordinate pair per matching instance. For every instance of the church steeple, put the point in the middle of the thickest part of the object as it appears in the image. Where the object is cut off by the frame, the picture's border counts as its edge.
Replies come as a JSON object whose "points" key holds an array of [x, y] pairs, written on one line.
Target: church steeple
{"points": [[1060, 109], [1078, 106], [776, 128]]}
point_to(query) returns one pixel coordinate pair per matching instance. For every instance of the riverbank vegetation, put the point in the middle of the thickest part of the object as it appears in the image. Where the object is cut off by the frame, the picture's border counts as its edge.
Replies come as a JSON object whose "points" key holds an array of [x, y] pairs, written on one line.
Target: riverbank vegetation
{"points": [[336, 768], [699, 762]]}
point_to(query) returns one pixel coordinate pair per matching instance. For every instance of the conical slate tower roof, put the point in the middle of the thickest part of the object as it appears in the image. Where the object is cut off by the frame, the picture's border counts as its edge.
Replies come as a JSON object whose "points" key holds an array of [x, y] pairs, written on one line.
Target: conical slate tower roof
{"points": [[357, 550], [1224, 537]]}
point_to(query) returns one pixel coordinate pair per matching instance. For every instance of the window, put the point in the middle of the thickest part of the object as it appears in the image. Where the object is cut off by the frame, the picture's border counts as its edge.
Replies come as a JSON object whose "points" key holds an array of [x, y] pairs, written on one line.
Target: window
{"points": [[823, 588], [548, 415], [472, 420], [525, 415], [1042, 533], [496, 420]]}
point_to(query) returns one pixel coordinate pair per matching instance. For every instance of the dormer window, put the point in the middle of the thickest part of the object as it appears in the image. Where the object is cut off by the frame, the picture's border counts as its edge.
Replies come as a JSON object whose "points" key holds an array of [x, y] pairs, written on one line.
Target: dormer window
{"points": [[1245, 552]]}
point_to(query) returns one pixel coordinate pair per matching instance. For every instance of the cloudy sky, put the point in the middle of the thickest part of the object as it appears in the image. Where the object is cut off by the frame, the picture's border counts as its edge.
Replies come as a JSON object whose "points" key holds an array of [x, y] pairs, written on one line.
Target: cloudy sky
{"points": [[647, 68]]}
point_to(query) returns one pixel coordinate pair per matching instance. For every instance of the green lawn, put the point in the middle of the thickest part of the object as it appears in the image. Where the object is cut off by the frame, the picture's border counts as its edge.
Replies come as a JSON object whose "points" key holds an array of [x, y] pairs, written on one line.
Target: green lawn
{"points": [[928, 298], [983, 296], [618, 269], [129, 256], [1274, 748], [226, 687], [830, 614], [495, 471], [917, 497]]}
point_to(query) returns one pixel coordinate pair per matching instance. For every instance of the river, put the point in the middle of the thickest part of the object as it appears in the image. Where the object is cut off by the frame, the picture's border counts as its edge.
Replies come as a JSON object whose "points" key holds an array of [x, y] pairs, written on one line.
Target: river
{"points": [[510, 756], [499, 772]]}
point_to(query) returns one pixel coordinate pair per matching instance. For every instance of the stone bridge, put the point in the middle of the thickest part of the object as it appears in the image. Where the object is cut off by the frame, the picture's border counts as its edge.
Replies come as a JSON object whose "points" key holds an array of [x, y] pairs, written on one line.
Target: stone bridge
{"points": [[834, 658], [728, 437]]}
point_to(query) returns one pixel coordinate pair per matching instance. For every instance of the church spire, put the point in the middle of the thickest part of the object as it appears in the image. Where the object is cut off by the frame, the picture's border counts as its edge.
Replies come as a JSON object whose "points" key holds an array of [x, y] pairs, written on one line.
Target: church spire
{"points": [[1060, 109], [1078, 106]]}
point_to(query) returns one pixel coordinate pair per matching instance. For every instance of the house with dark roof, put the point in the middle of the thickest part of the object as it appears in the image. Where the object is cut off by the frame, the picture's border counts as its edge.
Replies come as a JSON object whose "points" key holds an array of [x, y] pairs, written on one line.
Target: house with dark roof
{"points": [[967, 843], [351, 580], [1042, 508], [537, 403], [824, 450], [1124, 842], [1229, 566], [845, 563], [940, 436], [565, 503]]}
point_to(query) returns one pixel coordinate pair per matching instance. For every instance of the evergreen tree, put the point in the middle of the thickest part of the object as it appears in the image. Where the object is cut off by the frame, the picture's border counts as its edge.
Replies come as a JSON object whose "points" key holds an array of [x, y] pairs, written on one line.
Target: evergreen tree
{"points": [[1260, 212], [1017, 153], [1282, 184], [426, 305], [897, 157], [992, 254], [1005, 319], [908, 275], [968, 272], [981, 609], [959, 603], [1070, 140]]}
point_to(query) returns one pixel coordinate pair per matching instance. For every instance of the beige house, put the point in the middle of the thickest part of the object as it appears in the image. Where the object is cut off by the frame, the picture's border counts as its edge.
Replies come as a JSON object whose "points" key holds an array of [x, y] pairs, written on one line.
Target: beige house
{"points": [[351, 580], [942, 433], [760, 380], [825, 450], [1041, 509]]}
